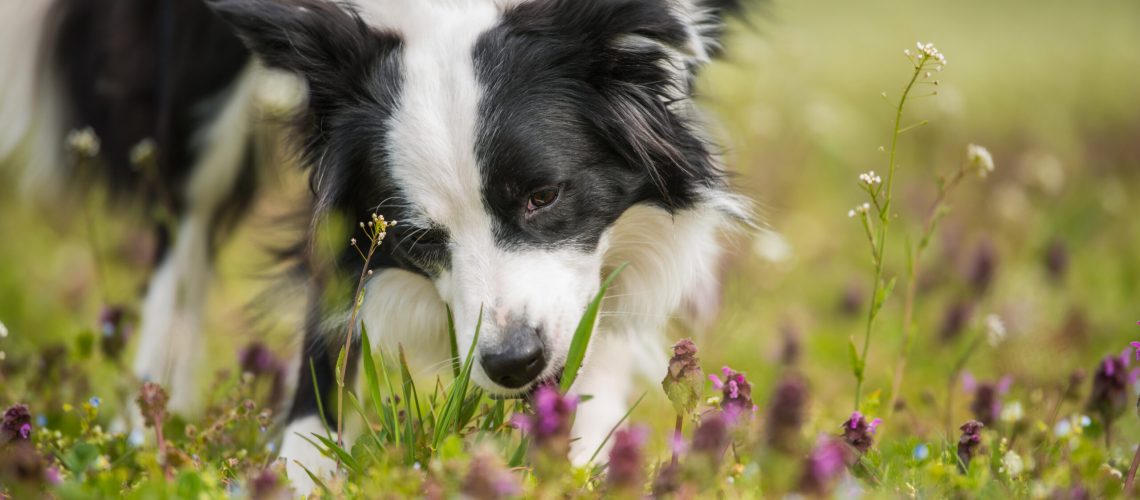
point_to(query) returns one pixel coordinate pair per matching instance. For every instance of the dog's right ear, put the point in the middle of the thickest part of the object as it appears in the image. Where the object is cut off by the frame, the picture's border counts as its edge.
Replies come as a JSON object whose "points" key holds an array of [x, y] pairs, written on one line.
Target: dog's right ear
{"points": [[320, 40]]}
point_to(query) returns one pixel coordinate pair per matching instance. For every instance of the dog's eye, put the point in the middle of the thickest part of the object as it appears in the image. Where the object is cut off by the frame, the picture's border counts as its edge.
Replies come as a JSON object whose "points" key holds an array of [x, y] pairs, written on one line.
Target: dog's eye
{"points": [[541, 198]]}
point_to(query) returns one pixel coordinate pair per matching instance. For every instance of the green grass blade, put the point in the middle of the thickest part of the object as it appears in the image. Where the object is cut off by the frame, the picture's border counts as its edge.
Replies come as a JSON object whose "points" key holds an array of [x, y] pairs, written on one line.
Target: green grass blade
{"points": [[452, 405], [615, 427], [317, 389], [584, 331], [373, 381], [454, 344], [346, 458]]}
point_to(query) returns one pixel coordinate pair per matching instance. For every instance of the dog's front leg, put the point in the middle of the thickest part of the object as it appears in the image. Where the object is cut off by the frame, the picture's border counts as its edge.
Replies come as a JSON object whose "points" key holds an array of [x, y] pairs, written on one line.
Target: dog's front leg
{"points": [[607, 378]]}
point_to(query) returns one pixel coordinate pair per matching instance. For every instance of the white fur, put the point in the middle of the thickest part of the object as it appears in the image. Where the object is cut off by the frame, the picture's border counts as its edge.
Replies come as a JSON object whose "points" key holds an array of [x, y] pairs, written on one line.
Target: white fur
{"points": [[31, 117], [299, 454], [170, 340]]}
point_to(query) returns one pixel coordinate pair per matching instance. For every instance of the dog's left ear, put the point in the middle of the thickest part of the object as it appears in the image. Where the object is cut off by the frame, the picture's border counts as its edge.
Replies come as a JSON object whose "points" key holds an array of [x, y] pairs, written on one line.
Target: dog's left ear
{"points": [[644, 55], [323, 41]]}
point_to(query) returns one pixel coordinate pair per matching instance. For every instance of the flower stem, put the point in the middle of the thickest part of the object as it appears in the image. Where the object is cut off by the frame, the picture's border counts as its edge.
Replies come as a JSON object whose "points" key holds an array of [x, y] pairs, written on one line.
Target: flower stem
{"points": [[881, 237], [677, 435], [1130, 480]]}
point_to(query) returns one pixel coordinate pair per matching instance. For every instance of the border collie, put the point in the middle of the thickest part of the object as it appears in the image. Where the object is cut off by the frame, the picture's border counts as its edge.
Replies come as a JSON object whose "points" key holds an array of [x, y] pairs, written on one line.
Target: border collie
{"points": [[526, 147]]}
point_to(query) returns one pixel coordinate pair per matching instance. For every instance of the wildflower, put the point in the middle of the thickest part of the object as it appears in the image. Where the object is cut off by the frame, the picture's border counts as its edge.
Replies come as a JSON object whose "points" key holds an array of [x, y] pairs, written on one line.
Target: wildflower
{"points": [[1012, 413], [626, 466], [3, 330], [995, 330], [786, 413], [1057, 260], [113, 332], [143, 153], [682, 383], [969, 442], [1136, 346], [17, 424], [152, 402], [955, 319], [870, 179], [22, 470], [860, 209], [858, 433], [1012, 464], [920, 452], [487, 479], [94, 401], [549, 426], [983, 267], [824, 466], [83, 142], [737, 393], [980, 160], [711, 436], [986, 404], [1109, 394], [267, 485], [928, 51]]}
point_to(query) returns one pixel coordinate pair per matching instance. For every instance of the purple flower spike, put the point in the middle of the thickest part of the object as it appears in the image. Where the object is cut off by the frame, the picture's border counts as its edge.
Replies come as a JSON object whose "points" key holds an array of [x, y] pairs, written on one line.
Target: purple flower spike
{"points": [[17, 424], [858, 433], [1136, 347], [824, 466], [1109, 395], [736, 393], [551, 418]]}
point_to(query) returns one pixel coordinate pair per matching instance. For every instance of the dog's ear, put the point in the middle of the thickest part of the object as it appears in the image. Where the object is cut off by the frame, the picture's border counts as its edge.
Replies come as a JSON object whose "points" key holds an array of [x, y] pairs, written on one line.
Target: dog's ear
{"points": [[642, 57], [320, 40]]}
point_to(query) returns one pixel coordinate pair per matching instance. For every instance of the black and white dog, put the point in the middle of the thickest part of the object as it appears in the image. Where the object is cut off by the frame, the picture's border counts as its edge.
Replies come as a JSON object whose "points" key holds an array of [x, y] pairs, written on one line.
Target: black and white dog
{"points": [[526, 147]]}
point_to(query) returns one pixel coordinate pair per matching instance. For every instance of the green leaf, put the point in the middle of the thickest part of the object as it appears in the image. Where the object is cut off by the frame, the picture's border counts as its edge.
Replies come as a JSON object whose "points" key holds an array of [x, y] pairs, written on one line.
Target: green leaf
{"points": [[584, 331], [372, 380], [458, 392]]}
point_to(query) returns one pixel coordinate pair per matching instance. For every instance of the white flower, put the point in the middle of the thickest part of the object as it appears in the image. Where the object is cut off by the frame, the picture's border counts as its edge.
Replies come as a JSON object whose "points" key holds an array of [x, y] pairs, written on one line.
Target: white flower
{"points": [[859, 209], [1012, 412], [870, 179], [1011, 463], [980, 160], [995, 330], [928, 51], [3, 330], [84, 142]]}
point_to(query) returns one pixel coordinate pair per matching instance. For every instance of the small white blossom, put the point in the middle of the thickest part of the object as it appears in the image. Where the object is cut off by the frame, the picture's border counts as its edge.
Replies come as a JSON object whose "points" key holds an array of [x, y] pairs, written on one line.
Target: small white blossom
{"points": [[3, 330], [1012, 412], [859, 209], [980, 159], [870, 179], [928, 51], [1011, 463], [995, 330], [84, 142]]}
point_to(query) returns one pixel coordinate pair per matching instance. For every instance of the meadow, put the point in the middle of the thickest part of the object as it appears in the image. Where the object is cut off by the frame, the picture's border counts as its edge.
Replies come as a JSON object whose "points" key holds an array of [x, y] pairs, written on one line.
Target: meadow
{"points": [[998, 285]]}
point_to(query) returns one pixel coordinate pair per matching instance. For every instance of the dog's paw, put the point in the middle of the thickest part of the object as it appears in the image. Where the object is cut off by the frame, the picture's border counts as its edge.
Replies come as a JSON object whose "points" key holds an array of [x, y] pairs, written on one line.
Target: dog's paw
{"points": [[302, 458]]}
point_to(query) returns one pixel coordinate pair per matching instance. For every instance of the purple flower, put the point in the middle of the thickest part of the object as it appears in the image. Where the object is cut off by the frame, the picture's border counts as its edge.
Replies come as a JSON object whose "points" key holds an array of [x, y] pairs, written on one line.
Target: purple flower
{"points": [[969, 442], [1136, 347], [786, 413], [668, 479], [711, 437], [487, 479], [152, 402], [627, 463], [1109, 395], [551, 418], [682, 383], [986, 404], [858, 433], [257, 359], [17, 424], [736, 397], [825, 464]]}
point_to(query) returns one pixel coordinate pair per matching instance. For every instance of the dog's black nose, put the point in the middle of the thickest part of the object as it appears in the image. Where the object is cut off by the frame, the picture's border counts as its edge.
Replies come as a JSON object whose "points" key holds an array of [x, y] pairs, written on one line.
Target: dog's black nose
{"points": [[518, 360]]}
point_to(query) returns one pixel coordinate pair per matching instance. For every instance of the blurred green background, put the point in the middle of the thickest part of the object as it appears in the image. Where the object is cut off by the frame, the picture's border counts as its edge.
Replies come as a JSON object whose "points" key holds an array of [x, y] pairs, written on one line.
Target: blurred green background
{"points": [[1050, 87]]}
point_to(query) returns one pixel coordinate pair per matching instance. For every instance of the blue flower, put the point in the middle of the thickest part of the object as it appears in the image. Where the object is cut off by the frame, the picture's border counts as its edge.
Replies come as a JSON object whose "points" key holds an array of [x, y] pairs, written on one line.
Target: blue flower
{"points": [[95, 401], [921, 452]]}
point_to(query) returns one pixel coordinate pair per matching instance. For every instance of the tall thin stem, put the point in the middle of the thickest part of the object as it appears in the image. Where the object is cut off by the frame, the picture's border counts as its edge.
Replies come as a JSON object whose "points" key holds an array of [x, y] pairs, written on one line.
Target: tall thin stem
{"points": [[881, 236]]}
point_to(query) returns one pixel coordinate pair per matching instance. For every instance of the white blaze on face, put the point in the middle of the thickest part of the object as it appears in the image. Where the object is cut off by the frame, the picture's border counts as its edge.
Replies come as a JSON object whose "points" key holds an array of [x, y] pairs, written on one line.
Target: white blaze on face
{"points": [[432, 140]]}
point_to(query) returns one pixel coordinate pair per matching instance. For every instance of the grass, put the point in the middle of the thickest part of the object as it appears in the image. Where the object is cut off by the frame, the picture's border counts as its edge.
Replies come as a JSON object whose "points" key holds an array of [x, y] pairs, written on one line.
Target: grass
{"points": [[799, 100]]}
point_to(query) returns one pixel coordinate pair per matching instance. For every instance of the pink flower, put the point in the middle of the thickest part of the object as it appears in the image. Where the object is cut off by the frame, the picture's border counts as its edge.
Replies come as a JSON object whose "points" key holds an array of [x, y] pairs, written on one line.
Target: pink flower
{"points": [[1136, 347], [552, 414], [736, 397]]}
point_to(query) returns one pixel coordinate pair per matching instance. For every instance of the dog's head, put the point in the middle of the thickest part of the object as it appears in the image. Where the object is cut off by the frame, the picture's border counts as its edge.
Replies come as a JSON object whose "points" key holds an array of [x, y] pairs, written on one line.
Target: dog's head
{"points": [[506, 137]]}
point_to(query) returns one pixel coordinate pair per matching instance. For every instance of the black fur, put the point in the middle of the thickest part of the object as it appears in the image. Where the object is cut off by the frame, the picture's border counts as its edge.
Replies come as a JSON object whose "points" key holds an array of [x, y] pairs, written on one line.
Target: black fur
{"points": [[568, 103]]}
